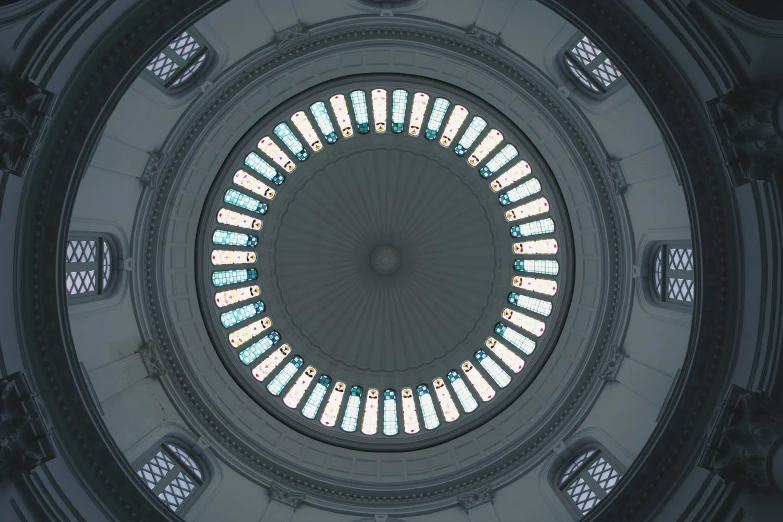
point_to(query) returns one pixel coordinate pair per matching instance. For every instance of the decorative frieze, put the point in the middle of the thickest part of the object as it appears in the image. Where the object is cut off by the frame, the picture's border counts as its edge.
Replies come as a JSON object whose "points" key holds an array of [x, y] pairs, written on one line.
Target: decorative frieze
{"points": [[612, 363], [155, 165], [291, 36], [482, 36], [748, 430], [285, 496], [748, 123], [475, 499], [151, 359], [22, 117], [24, 442], [615, 176]]}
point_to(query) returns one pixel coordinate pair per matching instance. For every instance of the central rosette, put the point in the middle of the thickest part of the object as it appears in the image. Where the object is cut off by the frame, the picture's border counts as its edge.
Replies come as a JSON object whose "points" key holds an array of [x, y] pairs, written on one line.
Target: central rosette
{"points": [[385, 261]]}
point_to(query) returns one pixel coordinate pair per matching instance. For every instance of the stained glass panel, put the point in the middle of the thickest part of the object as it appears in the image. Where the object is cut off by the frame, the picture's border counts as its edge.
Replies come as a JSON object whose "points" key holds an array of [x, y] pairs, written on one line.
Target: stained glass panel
{"points": [[537, 266], [410, 420], [237, 295], [492, 368], [340, 109], [428, 412], [297, 391], [253, 184], [475, 128], [538, 306], [244, 334], [487, 145], [511, 176], [528, 188], [232, 257], [420, 101], [541, 246], [279, 382], [528, 210], [351, 415], [237, 219], [439, 108], [485, 391], [332, 409], [359, 102], [464, 396], [447, 406], [289, 139], [258, 348], [389, 413], [257, 163], [276, 154], [515, 338], [370, 420], [457, 118], [323, 121], [269, 364], [232, 277], [535, 284], [305, 128], [236, 198], [500, 159], [224, 237], [525, 322], [229, 319], [534, 228], [313, 403], [399, 104]]}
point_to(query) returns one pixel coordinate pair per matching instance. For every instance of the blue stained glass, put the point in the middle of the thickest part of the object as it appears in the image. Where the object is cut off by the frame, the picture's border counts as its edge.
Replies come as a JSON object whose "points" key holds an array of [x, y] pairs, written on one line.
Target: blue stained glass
{"points": [[534, 228], [351, 415], [537, 266], [310, 409], [389, 413], [286, 135], [234, 197], [493, 369], [431, 420], [533, 304], [515, 338], [359, 102], [232, 277], [528, 188], [323, 121], [277, 384], [233, 317], [474, 130], [224, 237], [505, 155], [399, 104], [439, 109], [258, 348], [464, 396], [257, 163]]}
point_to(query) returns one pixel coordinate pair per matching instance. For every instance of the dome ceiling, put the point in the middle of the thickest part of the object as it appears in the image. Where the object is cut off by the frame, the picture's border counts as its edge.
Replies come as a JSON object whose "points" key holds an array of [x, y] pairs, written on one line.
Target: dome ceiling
{"points": [[389, 273]]}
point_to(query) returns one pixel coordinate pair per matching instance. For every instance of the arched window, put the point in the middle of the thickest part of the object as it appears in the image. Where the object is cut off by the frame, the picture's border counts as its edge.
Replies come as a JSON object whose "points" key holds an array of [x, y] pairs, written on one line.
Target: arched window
{"points": [[588, 479], [180, 61], [671, 275], [89, 266], [172, 474], [590, 66]]}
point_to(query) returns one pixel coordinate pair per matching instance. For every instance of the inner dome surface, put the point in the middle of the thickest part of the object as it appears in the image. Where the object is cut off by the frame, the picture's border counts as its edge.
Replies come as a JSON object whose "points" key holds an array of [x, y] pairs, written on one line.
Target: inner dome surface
{"points": [[413, 208]]}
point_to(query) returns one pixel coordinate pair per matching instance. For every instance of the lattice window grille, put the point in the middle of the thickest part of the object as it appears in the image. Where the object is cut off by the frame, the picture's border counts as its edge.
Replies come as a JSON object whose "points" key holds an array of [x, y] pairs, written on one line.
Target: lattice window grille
{"points": [[172, 475], [591, 67], [672, 274], [88, 266], [179, 61], [588, 480]]}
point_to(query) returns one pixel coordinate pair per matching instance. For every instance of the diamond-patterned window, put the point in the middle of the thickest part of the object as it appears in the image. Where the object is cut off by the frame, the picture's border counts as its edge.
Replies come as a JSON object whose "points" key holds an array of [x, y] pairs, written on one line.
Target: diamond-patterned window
{"points": [[179, 61], [672, 276], [172, 475], [590, 66], [89, 269], [588, 479]]}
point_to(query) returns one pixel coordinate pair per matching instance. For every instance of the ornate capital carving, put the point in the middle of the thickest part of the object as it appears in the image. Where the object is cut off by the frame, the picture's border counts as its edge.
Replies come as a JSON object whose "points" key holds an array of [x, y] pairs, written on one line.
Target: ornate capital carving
{"points": [[482, 36], [291, 36], [24, 443], [749, 128], [476, 499], [155, 164], [285, 496], [612, 363], [616, 177], [746, 431], [22, 117], [151, 359]]}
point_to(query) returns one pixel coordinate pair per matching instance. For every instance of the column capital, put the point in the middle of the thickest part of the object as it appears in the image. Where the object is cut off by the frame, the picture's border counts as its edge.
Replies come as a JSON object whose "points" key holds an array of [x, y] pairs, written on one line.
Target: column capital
{"points": [[477, 498], [23, 109], [285, 496]]}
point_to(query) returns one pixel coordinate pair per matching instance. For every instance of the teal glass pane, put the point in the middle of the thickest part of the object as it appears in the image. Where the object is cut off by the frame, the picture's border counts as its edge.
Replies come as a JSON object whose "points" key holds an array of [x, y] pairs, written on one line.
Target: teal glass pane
{"points": [[464, 396], [258, 348], [323, 121], [255, 162], [474, 130], [236, 198], [534, 228], [399, 105], [232, 277], [515, 338], [233, 317], [505, 155], [359, 102], [439, 109], [389, 413], [287, 136], [493, 369], [537, 266], [351, 415], [528, 188], [277, 384], [428, 412], [533, 304], [310, 409], [224, 237]]}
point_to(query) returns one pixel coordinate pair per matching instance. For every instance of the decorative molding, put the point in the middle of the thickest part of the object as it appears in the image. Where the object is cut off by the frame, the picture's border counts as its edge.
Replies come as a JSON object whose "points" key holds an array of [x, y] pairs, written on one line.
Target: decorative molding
{"points": [[24, 441], [616, 177], [155, 164], [483, 37], [291, 36], [476, 498], [612, 364], [748, 125], [23, 108], [151, 359], [387, 7], [285, 496], [747, 431]]}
